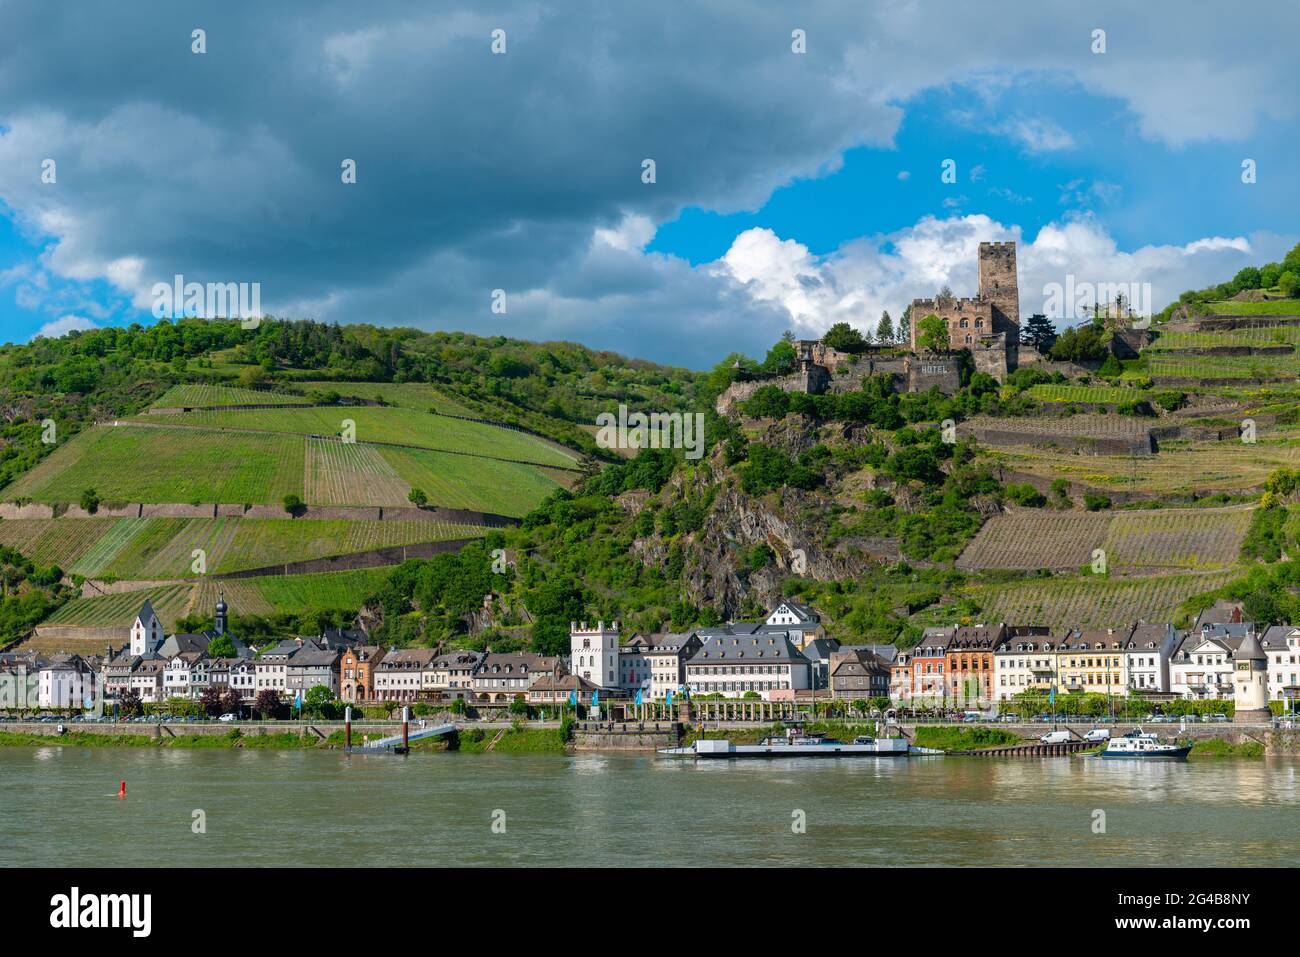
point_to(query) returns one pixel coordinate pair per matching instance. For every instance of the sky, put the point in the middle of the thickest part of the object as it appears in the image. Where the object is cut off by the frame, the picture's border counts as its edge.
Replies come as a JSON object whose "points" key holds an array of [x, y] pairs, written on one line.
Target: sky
{"points": [[798, 151]]}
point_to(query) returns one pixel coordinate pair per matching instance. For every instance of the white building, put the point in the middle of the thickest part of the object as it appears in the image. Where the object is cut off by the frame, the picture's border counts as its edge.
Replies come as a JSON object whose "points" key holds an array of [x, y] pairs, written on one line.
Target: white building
{"points": [[733, 665], [1201, 668], [400, 676], [1281, 643], [65, 681], [594, 653], [1025, 663], [1146, 657], [146, 632], [659, 666], [798, 620], [1250, 682]]}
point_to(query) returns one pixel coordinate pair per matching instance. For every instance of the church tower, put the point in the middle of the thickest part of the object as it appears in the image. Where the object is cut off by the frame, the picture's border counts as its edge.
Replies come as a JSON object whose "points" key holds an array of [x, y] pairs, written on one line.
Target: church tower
{"points": [[222, 611], [1250, 682]]}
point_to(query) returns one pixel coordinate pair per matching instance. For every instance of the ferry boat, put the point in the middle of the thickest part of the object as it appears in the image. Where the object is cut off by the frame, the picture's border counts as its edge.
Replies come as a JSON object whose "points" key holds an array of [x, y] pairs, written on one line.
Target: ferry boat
{"points": [[1140, 744], [794, 744]]}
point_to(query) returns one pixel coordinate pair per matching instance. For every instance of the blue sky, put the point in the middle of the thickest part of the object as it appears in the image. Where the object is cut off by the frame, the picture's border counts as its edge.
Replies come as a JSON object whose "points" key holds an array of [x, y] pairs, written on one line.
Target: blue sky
{"points": [[792, 190]]}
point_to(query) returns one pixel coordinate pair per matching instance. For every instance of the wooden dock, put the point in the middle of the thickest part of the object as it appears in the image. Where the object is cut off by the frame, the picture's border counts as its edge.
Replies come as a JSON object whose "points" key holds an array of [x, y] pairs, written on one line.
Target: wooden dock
{"points": [[1031, 750]]}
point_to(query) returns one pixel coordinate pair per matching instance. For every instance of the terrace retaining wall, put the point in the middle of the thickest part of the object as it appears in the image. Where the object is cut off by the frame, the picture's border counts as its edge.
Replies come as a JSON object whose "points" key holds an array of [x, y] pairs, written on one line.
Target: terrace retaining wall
{"points": [[347, 513], [375, 558]]}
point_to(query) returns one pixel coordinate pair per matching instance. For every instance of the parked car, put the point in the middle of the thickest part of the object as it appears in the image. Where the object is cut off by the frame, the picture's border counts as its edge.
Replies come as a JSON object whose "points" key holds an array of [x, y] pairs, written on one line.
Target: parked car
{"points": [[1055, 737], [1009, 718], [1191, 718], [1043, 717], [227, 717], [1218, 716], [1097, 734], [971, 717]]}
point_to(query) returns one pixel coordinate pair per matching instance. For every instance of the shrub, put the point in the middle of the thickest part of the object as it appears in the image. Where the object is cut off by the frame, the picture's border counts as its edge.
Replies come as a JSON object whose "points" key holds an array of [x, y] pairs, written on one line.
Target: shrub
{"points": [[1095, 502]]}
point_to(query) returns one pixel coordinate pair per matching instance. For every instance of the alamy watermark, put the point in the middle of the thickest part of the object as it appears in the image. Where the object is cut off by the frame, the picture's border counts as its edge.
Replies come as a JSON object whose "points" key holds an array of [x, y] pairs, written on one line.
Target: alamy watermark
{"points": [[658, 430], [214, 300], [1082, 300]]}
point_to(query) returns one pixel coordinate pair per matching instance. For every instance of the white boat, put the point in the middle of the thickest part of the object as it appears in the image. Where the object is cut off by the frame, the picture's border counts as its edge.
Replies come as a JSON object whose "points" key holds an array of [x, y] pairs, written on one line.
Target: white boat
{"points": [[1140, 744], [794, 744]]}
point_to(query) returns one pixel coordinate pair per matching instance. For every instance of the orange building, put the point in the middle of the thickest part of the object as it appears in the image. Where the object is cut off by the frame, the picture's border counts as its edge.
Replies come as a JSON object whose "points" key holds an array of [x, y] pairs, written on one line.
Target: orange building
{"points": [[969, 662], [357, 672]]}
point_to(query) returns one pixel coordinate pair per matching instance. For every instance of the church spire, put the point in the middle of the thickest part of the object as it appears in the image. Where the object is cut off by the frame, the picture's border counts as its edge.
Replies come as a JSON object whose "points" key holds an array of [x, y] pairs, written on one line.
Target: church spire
{"points": [[221, 611]]}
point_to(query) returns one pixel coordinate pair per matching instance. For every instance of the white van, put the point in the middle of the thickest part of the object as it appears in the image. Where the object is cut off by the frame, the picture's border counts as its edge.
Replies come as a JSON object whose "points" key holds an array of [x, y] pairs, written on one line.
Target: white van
{"points": [[1097, 734], [1055, 737]]}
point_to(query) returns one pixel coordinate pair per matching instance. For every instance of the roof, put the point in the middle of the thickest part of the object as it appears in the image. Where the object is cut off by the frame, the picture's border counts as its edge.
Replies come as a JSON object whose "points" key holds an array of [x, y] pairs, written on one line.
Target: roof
{"points": [[458, 659], [1275, 637], [146, 611], [820, 649], [1249, 650], [802, 611], [523, 662], [406, 659], [563, 683], [309, 656], [722, 647]]}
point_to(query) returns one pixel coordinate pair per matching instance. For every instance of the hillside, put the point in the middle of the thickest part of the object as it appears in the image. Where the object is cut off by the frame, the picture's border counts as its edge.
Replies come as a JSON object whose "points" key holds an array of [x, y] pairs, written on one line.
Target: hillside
{"points": [[288, 457]]}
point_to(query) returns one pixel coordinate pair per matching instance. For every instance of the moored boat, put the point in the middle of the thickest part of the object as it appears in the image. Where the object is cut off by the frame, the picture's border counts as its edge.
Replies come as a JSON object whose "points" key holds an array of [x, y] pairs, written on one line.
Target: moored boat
{"points": [[1140, 744], [794, 744]]}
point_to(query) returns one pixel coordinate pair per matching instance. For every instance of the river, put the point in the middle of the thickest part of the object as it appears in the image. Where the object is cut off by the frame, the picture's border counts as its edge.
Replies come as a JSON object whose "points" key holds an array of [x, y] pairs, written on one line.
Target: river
{"points": [[60, 806]]}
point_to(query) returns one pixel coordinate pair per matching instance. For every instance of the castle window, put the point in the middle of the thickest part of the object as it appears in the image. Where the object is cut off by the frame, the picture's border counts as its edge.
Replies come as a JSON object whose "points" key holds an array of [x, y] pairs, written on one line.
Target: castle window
{"points": [[968, 337], [979, 323], [964, 323]]}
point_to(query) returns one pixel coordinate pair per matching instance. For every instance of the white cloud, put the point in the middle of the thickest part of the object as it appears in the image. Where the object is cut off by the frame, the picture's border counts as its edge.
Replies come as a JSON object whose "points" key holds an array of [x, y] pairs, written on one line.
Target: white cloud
{"points": [[869, 275], [64, 325]]}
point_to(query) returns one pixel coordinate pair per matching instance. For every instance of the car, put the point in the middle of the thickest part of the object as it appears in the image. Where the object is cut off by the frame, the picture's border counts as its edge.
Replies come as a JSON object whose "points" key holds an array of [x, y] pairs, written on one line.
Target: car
{"points": [[1097, 734], [970, 717], [1043, 717], [1192, 718], [1218, 716], [1008, 718], [228, 717], [1055, 737]]}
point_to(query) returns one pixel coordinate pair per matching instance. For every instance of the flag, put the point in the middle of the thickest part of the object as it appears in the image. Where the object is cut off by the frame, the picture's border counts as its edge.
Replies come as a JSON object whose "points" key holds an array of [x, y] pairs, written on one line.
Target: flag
{"points": [[1051, 696], [595, 698], [573, 699], [638, 696], [669, 702]]}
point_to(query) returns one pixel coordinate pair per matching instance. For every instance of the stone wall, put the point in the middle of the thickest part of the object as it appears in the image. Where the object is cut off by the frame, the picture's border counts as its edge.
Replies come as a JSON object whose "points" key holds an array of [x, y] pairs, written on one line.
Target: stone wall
{"points": [[925, 372]]}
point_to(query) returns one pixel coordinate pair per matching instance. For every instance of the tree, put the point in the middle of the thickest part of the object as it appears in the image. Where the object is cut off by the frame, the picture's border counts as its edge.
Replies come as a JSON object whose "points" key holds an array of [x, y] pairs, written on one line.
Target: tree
{"points": [[90, 501], [128, 703], [885, 328], [267, 703], [320, 701], [1039, 332], [932, 334], [230, 701], [1289, 284], [418, 498], [905, 325], [292, 504], [211, 699], [221, 646], [1080, 344], [781, 358], [844, 338]]}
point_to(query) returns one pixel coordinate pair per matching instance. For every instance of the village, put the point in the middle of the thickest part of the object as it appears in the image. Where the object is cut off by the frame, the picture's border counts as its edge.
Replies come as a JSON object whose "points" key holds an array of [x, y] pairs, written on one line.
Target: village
{"points": [[782, 664]]}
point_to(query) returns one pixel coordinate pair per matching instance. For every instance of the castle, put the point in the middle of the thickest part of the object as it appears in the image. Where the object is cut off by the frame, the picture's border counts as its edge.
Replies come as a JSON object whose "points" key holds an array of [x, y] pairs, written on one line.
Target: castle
{"points": [[988, 324]]}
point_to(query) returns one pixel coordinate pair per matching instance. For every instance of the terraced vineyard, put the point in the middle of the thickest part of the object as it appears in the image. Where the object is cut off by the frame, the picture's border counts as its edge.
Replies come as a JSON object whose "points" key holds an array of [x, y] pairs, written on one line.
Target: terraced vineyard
{"points": [[387, 425], [1180, 467], [296, 594], [408, 395], [128, 463], [1068, 426], [1091, 602], [196, 396], [351, 474], [1098, 394], [1163, 365], [1194, 539], [1275, 307], [458, 481], [54, 541], [1252, 336]]}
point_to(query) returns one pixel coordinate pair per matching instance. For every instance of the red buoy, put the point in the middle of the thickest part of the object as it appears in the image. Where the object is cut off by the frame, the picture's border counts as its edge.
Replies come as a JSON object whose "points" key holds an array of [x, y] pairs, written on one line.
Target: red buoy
{"points": [[121, 793]]}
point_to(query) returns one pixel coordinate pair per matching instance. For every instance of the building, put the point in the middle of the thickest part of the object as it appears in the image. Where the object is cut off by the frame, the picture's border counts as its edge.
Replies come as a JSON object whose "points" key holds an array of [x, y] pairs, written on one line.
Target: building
{"points": [[1025, 663], [146, 632], [147, 679], [310, 667], [1146, 657], [820, 652], [65, 681], [555, 690], [242, 677], [1282, 645], [799, 621], [1250, 682], [988, 324], [1202, 666], [1091, 661], [273, 666], [501, 677], [400, 676], [968, 657], [735, 664], [667, 655], [357, 672], [927, 669], [451, 675], [594, 653], [859, 676]]}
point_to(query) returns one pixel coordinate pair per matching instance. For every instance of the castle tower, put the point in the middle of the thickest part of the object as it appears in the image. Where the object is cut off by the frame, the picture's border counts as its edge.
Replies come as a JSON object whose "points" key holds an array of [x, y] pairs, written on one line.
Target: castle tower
{"points": [[593, 653], [999, 285], [1250, 682]]}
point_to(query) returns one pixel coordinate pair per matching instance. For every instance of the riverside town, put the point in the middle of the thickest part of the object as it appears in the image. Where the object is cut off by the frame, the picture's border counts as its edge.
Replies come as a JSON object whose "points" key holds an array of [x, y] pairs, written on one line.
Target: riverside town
{"points": [[556, 436]]}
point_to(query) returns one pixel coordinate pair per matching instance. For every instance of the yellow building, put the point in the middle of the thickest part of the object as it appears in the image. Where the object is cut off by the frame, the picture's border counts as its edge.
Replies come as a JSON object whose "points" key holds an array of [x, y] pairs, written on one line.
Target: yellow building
{"points": [[1091, 661]]}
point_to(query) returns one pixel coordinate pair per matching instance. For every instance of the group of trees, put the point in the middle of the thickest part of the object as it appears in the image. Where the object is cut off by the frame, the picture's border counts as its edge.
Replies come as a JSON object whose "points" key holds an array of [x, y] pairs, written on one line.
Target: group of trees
{"points": [[845, 338]]}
